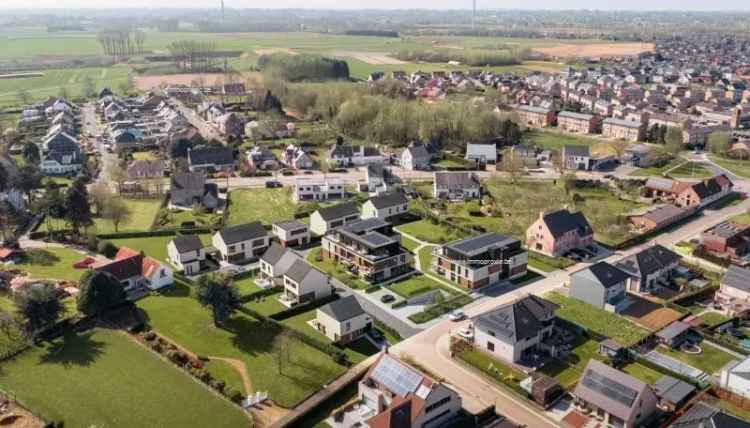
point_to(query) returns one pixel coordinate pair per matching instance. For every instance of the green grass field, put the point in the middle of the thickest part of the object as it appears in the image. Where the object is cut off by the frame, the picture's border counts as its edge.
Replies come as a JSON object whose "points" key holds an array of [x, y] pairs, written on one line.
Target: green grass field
{"points": [[51, 263], [223, 370], [656, 170], [569, 371], [416, 285], [334, 270], [154, 246], [182, 319], [426, 231], [735, 166], [409, 243], [645, 374], [266, 305], [93, 379], [597, 320], [177, 218], [264, 205], [711, 360], [142, 216], [690, 170], [554, 140]]}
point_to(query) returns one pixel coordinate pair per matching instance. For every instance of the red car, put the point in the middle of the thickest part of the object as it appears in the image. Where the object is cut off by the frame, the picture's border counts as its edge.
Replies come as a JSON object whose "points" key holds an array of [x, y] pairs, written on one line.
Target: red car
{"points": [[85, 263]]}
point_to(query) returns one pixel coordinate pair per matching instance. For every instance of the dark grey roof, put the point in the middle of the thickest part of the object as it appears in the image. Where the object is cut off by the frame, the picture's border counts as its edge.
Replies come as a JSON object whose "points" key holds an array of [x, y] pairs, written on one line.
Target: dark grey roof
{"points": [[575, 150], [648, 261], [517, 320], [673, 330], [418, 151], [366, 225], [299, 270], [610, 389], [664, 213], [338, 211], [701, 415], [290, 224], [457, 180], [603, 272], [389, 200], [187, 243], [474, 243], [211, 155], [188, 181], [672, 390], [563, 221], [273, 254], [243, 232], [737, 277], [343, 309]]}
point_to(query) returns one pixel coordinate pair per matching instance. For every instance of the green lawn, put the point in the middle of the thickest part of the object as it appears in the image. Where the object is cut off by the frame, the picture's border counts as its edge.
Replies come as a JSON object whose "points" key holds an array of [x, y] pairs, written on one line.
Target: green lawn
{"points": [[426, 231], [690, 170], [246, 285], [357, 351], [710, 360], [266, 305], [645, 374], [495, 369], [51, 263], [656, 170], [264, 205], [735, 166], [742, 218], [154, 246], [554, 140], [714, 318], [102, 378], [425, 257], [303, 370], [569, 371], [548, 264], [597, 320], [335, 270], [142, 216], [174, 219], [416, 285], [223, 370], [409, 243]]}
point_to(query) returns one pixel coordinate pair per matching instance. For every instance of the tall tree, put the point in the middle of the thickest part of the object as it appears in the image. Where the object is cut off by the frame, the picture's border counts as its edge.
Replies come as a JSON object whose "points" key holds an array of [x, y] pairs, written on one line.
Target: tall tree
{"points": [[116, 211], [720, 142], [673, 141], [118, 175], [31, 153], [99, 291], [28, 179], [218, 292], [77, 207], [38, 308]]}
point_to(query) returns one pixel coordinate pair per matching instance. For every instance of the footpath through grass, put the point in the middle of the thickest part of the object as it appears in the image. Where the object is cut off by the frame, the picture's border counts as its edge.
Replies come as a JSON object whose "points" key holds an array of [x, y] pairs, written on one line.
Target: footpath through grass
{"points": [[103, 378], [304, 370]]}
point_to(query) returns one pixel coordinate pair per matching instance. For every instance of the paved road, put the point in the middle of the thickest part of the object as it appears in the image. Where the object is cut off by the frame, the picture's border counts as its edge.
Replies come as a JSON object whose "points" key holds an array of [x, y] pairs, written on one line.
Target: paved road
{"points": [[207, 130], [91, 126]]}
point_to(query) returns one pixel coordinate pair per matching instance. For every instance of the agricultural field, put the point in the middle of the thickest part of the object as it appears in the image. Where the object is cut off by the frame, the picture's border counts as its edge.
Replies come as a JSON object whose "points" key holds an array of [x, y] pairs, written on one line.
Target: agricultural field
{"points": [[181, 318], [597, 320], [83, 380], [51, 263], [264, 205]]}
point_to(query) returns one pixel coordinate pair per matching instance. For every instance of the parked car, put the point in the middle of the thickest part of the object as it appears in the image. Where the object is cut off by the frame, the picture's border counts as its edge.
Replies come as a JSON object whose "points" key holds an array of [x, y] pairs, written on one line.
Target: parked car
{"points": [[457, 315], [388, 298], [307, 172], [272, 184]]}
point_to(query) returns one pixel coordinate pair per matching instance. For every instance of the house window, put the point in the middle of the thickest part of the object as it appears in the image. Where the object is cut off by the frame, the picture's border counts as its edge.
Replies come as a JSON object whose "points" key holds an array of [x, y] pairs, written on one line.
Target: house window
{"points": [[347, 326], [490, 346]]}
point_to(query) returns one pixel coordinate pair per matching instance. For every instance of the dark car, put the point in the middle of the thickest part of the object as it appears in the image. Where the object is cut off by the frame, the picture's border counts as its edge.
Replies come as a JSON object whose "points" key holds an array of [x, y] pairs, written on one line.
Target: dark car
{"points": [[307, 172], [376, 335], [272, 184], [388, 298]]}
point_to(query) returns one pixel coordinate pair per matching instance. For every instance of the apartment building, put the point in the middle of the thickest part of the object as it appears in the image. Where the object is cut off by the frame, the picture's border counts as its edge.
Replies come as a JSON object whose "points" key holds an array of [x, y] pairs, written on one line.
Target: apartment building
{"points": [[623, 129], [580, 123]]}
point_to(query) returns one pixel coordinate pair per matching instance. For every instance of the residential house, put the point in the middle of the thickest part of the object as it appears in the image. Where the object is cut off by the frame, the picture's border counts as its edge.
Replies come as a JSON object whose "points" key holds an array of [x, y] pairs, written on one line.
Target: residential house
{"points": [[701, 415], [735, 377], [673, 335], [576, 157], [615, 397], [514, 331], [415, 157], [145, 169], [621, 129], [325, 219], [369, 248], [343, 320], [673, 393], [241, 243], [344, 155], [728, 238], [275, 262], [230, 125], [210, 159], [602, 286], [650, 268], [303, 284], [639, 156], [295, 157], [536, 117], [481, 154], [556, 233], [190, 189], [187, 254], [456, 186], [659, 217], [318, 189], [480, 261], [134, 270], [663, 188], [705, 192], [581, 123], [734, 290], [386, 207], [291, 233], [398, 395], [259, 158], [61, 163]]}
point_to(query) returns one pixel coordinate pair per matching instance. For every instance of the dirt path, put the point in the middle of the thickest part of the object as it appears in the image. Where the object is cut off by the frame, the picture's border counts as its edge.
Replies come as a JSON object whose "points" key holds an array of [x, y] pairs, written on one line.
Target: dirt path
{"points": [[238, 366]]}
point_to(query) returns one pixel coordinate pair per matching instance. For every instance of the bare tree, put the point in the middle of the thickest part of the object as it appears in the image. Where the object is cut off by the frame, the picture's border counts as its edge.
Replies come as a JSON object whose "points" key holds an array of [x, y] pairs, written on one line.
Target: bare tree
{"points": [[512, 165], [116, 211], [281, 344]]}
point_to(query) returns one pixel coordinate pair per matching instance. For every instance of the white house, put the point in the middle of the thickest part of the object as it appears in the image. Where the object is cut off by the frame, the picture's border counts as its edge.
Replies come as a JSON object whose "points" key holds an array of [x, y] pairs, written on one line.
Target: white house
{"points": [[343, 155], [318, 190], [303, 283], [275, 262], [59, 163], [186, 253], [291, 233], [342, 320], [325, 219], [414, 158], [456, 186], [511, 331], [385, 207], [735, 377], [156, 274], [241, 243]]}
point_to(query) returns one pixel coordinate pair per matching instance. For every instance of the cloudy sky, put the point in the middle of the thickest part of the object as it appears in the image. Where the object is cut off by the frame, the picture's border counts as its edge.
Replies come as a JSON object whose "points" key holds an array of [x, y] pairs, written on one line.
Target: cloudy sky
{"points": [[394, 4]]}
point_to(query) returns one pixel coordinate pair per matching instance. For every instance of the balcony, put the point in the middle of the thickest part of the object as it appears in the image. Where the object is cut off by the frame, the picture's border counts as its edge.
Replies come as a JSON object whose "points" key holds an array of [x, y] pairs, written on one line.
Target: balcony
{"points": [[287, 299]]}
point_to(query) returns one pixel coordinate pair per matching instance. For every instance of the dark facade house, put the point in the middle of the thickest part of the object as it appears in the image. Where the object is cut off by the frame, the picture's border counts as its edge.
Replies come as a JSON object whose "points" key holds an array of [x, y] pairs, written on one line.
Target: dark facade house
{"points": [[650, 268], [210, 159], [189, 189], [701, 415], [672, 393], [600, 285], [728, 238]]}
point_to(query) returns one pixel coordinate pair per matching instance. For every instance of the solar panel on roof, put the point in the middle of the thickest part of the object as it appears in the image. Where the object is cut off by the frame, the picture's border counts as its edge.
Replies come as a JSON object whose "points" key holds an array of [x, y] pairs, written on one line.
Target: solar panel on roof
{"points": [[397, 378], [609, 388]]}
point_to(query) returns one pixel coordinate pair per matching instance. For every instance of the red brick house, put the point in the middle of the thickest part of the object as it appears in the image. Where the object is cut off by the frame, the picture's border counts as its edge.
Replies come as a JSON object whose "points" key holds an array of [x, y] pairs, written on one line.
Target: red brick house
{"points": [[556, 233], [730, 238], [705, 192]]}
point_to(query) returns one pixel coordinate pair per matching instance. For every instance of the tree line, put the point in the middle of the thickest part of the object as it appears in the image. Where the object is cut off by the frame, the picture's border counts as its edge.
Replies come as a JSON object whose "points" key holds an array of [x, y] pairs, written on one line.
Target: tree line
{"points": [[296, 68], [194, 56], [474, 57], [122, 42]]}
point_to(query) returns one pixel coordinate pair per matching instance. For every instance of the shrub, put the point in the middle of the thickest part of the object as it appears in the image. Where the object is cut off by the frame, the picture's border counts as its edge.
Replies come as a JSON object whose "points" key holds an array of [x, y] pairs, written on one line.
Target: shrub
{"points": [[93, 243], [149, 335], [217, 384], [108, 249], [234, 395]]}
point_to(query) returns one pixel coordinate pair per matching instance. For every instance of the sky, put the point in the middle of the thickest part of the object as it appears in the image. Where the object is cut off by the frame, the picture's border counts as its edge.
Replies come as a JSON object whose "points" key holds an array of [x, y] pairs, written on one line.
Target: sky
{"points": [[393, 4]]}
